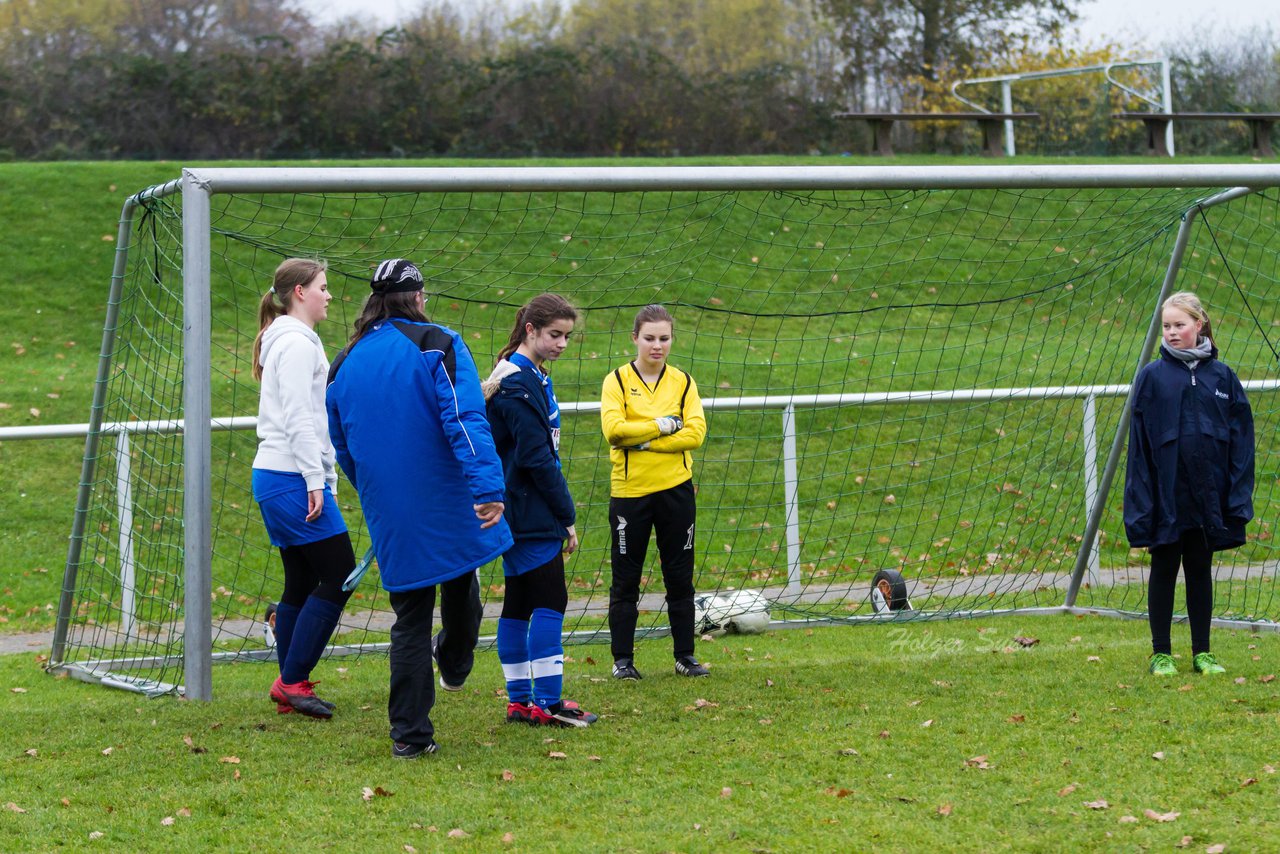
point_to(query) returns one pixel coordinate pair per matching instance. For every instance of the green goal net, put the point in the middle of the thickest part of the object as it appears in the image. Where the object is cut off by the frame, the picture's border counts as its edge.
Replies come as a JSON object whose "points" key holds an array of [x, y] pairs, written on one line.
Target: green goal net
{"points": [[913, 383]]}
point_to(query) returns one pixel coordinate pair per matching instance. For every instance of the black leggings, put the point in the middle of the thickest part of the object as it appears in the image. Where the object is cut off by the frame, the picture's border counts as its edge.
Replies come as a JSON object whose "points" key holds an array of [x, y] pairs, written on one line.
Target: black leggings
{"points": [[543, 587], [1192, 552], [672, 513], [318, 569]]}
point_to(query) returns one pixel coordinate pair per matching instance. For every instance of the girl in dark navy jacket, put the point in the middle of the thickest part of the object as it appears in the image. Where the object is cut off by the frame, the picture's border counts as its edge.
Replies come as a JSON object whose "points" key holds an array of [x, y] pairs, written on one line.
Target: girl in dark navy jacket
{"points": [[525, 420], [1189, 485]]}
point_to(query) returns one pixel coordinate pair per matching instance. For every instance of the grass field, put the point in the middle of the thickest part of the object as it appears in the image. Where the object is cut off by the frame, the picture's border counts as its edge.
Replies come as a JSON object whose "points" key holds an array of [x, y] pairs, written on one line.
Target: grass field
{"points": [[1011, 734]]}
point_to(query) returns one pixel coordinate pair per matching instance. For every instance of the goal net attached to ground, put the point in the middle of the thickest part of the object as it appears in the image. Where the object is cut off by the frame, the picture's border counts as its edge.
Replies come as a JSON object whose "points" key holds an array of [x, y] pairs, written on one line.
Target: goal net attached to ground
{"points": [[915, 380]]}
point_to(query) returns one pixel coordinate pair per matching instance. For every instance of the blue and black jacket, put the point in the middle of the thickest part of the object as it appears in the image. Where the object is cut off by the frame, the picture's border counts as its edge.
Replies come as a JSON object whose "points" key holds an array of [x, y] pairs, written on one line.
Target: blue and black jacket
{"points": [[539, 505], [407, 419], [1191, 454]]}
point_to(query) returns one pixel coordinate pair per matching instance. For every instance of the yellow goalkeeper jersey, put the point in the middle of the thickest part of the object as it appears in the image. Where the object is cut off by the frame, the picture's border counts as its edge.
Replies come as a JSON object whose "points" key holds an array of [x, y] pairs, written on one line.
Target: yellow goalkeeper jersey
{"points": [[628, 407]]}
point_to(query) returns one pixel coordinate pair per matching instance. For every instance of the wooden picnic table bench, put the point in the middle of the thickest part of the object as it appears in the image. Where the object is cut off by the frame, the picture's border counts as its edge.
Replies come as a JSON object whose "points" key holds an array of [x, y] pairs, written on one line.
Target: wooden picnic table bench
{"points": [[1156, 123], [992, 125]]}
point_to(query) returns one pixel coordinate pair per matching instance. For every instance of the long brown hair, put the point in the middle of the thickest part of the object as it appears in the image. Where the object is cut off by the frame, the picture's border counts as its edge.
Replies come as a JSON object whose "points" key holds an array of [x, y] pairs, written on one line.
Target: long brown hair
{"points": [[1190, 303], [540, 311], [384, 306], [279, 298], [652, 314]]}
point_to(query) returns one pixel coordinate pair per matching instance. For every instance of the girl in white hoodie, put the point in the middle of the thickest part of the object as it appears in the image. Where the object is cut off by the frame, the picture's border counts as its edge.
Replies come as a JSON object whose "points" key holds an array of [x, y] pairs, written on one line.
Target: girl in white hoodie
{"points": [[294, 479]]}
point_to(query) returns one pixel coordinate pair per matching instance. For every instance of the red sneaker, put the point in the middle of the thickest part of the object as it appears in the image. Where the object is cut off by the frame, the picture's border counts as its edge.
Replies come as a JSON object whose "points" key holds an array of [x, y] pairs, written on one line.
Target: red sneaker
{"points": [[527, 713], [564, 714], [280, 699], [300, 697]]}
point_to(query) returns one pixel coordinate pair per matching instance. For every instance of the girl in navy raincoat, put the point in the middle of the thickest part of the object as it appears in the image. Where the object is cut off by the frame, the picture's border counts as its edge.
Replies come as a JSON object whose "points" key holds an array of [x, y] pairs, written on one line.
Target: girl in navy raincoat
{"points": [[1189, 484]]}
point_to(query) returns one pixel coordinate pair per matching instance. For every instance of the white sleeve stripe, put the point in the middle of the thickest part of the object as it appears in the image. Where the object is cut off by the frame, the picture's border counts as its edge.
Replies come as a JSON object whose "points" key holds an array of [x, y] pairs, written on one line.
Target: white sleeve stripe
{"points": [[456, 409]]}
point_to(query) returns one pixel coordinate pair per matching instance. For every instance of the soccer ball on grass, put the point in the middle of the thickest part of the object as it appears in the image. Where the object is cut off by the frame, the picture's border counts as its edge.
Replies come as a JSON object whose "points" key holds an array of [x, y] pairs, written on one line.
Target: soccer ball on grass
{"points": [[741, 611]]}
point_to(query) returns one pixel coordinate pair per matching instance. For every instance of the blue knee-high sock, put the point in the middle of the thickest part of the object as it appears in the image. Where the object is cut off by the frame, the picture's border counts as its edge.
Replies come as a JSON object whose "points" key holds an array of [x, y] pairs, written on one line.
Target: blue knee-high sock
{"points": [[513, 652], [286, 619], [315, 625], [546, 655]]}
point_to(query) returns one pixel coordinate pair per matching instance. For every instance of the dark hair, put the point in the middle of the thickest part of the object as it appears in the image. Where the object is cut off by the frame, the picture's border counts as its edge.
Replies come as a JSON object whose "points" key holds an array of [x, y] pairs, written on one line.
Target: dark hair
{"points": [[652, 314], [541, 311], [384, 306], [279, 298]]}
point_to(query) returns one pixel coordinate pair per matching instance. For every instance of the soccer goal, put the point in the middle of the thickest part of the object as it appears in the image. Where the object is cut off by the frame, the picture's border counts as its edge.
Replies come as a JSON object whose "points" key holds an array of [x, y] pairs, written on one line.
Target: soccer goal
{"points": [[915, 380]]}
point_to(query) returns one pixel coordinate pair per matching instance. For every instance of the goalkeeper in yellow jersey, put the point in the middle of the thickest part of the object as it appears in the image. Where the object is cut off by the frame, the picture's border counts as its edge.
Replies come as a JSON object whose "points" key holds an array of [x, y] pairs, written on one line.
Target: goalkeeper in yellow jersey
{"points": [[652, 418]]}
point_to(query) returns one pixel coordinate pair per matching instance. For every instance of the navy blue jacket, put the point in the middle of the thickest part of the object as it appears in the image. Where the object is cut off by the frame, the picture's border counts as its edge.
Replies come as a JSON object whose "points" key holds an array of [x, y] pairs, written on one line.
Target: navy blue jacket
{"points": [[537, 497], [1203, 419]]}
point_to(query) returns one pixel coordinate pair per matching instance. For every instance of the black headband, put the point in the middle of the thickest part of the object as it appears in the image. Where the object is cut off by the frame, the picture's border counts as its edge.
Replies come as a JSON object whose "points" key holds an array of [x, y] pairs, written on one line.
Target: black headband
{"points": [[396, 276]]}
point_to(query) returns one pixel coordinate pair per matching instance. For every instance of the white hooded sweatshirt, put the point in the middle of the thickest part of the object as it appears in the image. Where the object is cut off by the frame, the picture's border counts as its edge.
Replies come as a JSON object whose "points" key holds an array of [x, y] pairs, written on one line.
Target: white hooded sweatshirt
{"points": [[293, 425]]}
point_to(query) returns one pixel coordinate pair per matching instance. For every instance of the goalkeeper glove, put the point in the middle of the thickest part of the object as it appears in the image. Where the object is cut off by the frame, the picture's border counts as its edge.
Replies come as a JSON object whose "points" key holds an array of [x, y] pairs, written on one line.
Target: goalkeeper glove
{"points": [[668, 424]]}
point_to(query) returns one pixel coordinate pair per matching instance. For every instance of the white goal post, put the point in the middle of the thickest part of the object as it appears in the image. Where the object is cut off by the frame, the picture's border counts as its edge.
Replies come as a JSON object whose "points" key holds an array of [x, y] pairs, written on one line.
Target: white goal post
{"points": [[854, 219]]}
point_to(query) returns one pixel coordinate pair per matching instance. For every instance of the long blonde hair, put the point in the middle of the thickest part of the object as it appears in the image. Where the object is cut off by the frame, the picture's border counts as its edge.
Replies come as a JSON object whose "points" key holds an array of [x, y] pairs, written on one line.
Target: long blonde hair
{"points": [[1190, 303], [279, 298]]}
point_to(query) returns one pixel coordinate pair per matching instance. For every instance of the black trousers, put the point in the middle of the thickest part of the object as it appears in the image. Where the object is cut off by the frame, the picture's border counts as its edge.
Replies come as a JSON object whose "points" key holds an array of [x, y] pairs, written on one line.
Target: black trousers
{"points": [[672, 514], [413, 684], [1192, 552]]}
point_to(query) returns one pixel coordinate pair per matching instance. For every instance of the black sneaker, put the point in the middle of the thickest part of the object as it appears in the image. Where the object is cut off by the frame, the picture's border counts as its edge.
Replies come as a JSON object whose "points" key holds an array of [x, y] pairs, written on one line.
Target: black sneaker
{"points": [[687, 665], [404, 750], [624, 669], [569, 713]]}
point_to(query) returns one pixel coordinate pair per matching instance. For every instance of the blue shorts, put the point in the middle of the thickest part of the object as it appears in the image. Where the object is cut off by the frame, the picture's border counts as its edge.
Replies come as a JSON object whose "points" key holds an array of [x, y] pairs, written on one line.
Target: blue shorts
{"points": [[529, 554], [282, 498]]}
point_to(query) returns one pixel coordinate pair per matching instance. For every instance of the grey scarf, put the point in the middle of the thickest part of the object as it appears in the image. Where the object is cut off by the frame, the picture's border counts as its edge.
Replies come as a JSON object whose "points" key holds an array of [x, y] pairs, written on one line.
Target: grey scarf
{"points": [[1202, 350]]}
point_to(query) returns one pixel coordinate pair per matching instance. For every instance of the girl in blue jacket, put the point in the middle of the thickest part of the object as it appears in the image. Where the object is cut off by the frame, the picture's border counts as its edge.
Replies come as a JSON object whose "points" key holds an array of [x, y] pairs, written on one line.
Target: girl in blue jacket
{"points": [[525, 420], [1189, 483]]}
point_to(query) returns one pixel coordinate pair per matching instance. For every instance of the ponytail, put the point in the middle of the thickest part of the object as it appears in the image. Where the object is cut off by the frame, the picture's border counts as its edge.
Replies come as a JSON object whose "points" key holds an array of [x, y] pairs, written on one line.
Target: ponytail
{"points": [[516, 338], [539, 312], [279, 297]]}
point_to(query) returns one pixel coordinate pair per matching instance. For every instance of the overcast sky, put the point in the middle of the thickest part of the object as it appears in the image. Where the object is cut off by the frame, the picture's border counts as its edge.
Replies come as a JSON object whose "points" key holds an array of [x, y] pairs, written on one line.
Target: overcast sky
{"points": [[1144, 23]]}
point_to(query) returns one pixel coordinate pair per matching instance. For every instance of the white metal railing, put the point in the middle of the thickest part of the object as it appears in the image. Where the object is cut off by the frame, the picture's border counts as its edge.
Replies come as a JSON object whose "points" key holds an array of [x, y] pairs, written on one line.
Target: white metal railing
{"points": [[787, 403]]}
